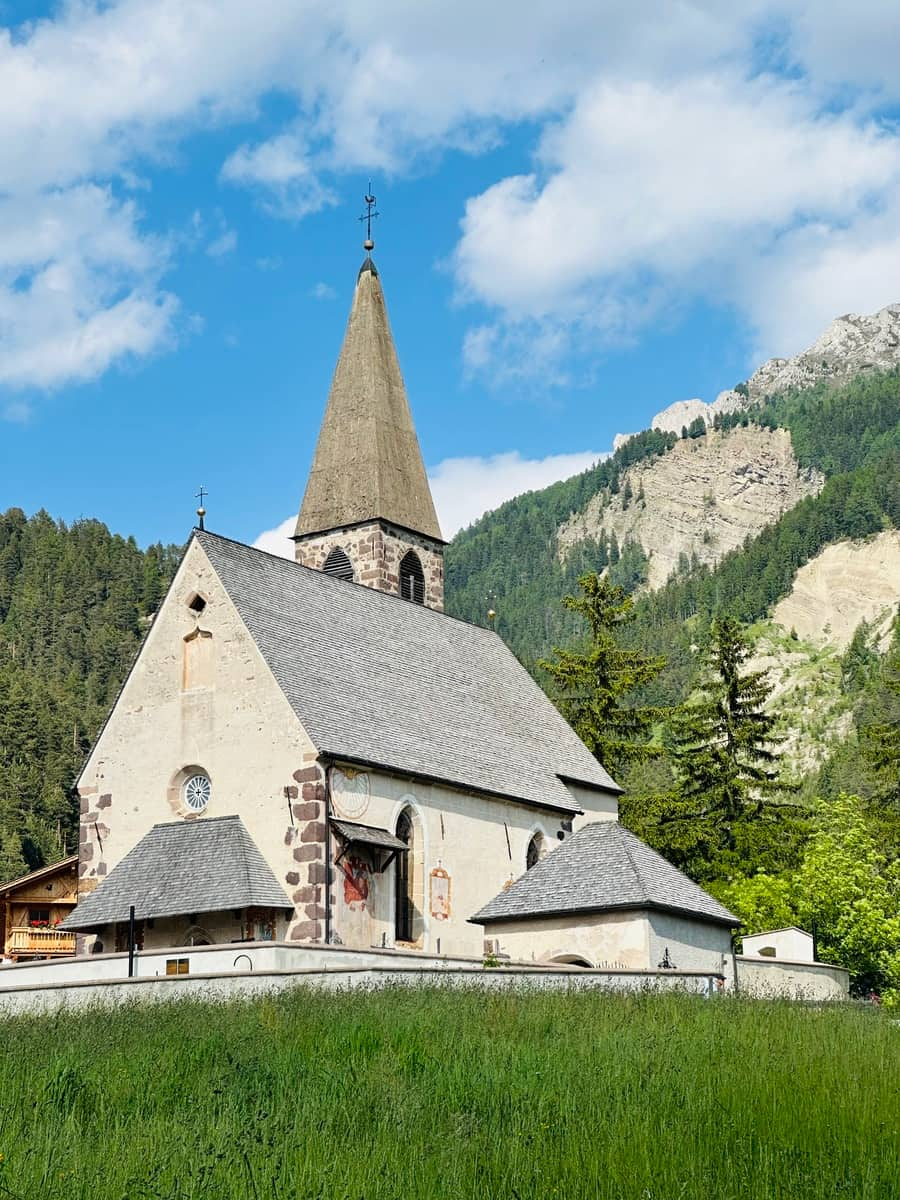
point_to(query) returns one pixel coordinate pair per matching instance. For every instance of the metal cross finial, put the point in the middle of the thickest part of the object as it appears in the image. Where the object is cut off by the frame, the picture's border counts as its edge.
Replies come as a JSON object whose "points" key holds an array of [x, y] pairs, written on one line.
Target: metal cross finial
{"points": [[201, 511], [369, 216]]}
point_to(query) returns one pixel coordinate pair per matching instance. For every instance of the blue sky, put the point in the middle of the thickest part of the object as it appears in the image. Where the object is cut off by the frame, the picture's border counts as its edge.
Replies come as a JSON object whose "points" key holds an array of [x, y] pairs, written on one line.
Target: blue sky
{"points": [[587, 214]]}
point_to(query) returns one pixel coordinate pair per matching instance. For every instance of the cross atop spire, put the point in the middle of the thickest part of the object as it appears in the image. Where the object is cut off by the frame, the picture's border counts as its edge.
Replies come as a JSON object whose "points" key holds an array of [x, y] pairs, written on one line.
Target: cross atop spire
{"points": [[369, 216]]}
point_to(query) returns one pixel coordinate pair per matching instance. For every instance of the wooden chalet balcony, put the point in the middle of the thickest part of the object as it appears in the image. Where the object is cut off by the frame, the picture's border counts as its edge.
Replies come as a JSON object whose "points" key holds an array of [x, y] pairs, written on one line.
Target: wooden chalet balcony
{"points": [[25, 940]]}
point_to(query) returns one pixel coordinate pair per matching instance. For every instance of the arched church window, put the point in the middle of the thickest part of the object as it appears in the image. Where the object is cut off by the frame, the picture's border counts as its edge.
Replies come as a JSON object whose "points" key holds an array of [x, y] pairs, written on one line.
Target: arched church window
{"points": [[404, 909], [534, 852], [339, 565], [412, 578]]}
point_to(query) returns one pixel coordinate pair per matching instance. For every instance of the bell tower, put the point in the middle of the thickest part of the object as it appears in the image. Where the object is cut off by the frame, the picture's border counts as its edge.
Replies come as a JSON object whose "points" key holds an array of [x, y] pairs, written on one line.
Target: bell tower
{"points": [[367, 513]]}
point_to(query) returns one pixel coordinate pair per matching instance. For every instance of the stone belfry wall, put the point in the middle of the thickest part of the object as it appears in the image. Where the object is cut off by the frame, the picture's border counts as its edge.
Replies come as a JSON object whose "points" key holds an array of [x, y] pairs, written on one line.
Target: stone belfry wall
{"points": [[375, 550]]}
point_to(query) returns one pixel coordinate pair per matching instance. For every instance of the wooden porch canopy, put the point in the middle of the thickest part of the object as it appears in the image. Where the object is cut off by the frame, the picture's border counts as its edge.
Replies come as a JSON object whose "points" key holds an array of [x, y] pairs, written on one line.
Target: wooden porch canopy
{"points": [[383, 845]]}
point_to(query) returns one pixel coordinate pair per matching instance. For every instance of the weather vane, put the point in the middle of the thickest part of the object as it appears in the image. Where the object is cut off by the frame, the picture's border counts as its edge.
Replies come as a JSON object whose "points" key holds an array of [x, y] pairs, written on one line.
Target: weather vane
{"points": [[369, 216], [201, 511]]}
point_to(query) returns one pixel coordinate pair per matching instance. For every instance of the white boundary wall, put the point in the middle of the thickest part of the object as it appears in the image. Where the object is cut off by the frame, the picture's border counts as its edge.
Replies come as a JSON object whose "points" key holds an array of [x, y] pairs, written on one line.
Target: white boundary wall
{"points": [[768, 978], [223, 972]]}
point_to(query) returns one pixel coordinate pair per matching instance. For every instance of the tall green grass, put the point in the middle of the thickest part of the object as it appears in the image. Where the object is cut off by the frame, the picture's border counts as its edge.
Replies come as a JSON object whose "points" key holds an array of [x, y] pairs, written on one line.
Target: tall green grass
{"points": [[438, 1093]]}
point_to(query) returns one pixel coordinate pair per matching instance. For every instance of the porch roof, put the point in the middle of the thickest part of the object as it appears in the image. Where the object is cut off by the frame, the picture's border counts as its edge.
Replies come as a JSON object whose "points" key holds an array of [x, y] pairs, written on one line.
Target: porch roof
{"points": [[369, 835], [208, 865]]}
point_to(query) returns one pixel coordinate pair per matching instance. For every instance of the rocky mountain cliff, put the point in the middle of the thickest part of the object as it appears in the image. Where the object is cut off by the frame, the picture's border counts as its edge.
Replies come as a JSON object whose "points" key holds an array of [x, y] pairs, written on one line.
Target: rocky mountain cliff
{"points": [[703, 498], [850, 346]]}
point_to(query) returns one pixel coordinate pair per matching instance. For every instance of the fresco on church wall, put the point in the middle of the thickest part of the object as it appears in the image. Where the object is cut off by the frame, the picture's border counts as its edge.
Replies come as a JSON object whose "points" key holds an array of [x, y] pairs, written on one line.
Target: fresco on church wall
{"points": [[356, 882], [440, 894]]}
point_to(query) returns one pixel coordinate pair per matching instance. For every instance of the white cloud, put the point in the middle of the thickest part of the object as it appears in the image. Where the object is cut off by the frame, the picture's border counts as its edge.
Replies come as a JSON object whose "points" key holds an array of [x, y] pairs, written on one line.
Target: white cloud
{"points": [[225, 244], [282, 171], [78, 287], [277, 540], [669, 164], [647, 193], [323, 291]]}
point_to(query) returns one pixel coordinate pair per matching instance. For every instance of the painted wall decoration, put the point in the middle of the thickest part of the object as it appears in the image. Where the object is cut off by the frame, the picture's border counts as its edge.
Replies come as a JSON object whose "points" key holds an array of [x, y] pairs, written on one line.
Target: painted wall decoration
{"points": [[356, 882], [350, 793], [440, 894]]}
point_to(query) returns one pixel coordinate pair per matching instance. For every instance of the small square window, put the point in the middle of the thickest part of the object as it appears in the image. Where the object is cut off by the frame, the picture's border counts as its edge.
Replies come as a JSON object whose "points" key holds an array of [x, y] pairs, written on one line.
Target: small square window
{"points": [[177, 966], [196, 603]]}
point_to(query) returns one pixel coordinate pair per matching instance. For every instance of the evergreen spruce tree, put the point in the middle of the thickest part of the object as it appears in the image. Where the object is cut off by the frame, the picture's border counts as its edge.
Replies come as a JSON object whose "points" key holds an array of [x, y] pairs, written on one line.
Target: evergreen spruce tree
{"points": [[592, 684], [724, 746]]}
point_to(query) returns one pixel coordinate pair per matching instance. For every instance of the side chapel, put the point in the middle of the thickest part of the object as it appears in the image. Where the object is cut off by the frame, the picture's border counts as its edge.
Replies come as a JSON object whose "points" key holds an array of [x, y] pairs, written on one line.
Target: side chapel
{"points": [[313, 752]]}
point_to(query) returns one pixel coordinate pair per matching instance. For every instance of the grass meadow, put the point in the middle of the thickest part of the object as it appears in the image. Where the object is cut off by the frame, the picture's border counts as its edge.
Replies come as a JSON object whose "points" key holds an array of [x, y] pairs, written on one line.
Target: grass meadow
{"points": [[439, 1093]]}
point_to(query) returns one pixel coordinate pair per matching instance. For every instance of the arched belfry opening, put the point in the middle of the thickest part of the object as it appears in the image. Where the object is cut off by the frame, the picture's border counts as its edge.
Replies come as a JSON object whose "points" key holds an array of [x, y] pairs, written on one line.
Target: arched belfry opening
{"points": [[339, 565], [412, 578], [367, 486]]}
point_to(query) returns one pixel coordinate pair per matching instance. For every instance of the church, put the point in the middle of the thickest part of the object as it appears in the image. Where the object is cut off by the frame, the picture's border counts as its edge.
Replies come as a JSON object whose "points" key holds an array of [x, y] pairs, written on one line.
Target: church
{"points": [[313, 752]]}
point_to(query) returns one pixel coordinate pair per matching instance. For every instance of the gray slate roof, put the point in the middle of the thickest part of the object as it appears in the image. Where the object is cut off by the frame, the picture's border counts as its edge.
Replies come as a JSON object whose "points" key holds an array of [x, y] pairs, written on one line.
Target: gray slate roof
{"points": [[601, 867], [369, 835], [379, 680], [367, 462], [208, 865]]}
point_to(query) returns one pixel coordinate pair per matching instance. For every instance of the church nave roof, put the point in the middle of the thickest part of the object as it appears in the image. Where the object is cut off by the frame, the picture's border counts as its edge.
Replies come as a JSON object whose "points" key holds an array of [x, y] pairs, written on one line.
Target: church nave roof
{"points": [[378, 680]]}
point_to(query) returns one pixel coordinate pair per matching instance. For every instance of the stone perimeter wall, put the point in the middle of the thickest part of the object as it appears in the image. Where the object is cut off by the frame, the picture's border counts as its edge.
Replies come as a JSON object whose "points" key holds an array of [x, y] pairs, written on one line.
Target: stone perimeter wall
{"points": [[375, 549]]}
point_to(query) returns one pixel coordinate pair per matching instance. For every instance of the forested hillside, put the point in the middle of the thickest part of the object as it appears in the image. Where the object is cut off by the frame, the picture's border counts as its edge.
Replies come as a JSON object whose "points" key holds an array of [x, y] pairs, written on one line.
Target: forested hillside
{"points": [[74, 602], [509, 559]]}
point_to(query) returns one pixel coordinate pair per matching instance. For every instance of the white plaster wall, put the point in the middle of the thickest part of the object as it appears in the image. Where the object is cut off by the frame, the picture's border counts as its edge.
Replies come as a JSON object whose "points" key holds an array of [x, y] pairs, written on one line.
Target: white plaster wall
{"points": [[611, 939], [693, 945], [793, 944], [226, 986], [479, 841], [597, 806], [773, 977], [240, 730]]}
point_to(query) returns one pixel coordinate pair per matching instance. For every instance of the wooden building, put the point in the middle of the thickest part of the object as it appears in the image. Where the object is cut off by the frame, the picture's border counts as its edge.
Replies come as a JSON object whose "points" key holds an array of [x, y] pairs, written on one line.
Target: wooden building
{"points": [[32, 909]]}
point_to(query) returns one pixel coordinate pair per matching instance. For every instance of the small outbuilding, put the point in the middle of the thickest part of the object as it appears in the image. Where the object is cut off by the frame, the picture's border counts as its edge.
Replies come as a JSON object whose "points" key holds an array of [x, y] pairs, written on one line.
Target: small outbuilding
{"points": [[604, 899], [793, 944]]}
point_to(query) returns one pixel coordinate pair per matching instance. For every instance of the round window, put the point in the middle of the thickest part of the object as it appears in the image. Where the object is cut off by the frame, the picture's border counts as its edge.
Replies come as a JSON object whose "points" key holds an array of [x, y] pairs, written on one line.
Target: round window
{"points": [[196, 792]]}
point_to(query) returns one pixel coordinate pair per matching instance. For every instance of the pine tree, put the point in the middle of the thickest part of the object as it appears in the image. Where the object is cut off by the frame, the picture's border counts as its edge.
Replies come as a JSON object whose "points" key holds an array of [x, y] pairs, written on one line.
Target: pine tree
{"points": [[592, 684], [724, 745]]}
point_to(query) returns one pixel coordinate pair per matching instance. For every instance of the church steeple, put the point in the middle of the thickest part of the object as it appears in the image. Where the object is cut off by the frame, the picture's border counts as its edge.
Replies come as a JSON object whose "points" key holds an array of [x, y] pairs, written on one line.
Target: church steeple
{"points": [[368, 494]]}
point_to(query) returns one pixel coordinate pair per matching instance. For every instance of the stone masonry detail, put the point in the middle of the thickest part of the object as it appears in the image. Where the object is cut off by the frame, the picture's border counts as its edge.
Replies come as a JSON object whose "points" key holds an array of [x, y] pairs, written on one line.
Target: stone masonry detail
{"points": [[307, 836], [375, 549]]}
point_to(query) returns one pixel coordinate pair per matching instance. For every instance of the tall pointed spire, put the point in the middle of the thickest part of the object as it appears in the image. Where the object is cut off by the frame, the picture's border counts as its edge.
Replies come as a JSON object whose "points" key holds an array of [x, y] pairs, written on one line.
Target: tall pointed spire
{"points": [[367, 462], [367, 513]]}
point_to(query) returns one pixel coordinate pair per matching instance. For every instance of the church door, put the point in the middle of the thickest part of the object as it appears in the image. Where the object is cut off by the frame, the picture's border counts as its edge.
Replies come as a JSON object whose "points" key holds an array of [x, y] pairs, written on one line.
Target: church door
{"points": [[403, 908]]}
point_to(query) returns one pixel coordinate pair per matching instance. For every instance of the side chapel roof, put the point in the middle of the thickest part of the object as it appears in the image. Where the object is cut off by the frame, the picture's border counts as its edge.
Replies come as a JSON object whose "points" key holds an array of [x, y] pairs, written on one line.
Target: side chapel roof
{"points": [[377, 680], [367, 462], [600, 868], [183, 867]]}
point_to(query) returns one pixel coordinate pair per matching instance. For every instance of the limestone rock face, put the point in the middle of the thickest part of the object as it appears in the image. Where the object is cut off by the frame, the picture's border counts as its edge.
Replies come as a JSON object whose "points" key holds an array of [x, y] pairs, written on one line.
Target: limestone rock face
{"points": [[704, 497], [847, 583], [850, 345]]}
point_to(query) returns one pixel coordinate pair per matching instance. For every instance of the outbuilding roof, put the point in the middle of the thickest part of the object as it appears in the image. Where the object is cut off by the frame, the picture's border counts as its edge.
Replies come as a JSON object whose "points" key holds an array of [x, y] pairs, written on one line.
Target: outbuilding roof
{"points": [[381, 681], [182, 867], [600, 868]]}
